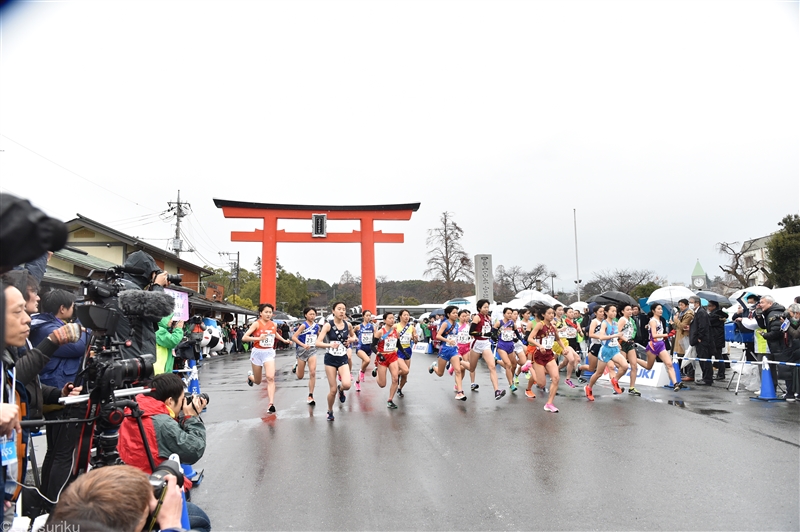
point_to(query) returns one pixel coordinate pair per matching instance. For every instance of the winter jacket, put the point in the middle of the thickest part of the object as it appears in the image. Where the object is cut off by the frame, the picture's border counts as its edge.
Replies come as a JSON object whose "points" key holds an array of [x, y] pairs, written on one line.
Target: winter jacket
{"points": [[166, 340], [66, 361], [717, 321], [680, 321], [28, 366], [141, 331], [165, 435], [771, 320], [700, 330]]}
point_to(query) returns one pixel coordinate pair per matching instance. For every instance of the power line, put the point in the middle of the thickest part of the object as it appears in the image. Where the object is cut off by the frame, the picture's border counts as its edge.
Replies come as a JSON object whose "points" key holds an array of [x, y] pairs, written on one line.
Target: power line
{"points": [[75, 173]]}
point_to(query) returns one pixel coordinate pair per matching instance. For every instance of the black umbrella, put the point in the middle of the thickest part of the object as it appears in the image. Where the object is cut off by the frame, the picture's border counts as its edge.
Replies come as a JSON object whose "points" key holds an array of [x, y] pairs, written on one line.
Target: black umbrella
{"points": [[612, 297], [437, 312], [721, 300]]}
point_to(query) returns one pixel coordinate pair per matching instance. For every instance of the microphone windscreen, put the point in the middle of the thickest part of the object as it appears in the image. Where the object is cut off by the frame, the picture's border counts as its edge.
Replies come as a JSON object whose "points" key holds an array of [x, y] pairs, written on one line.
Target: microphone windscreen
{"points": [[150, 305]]}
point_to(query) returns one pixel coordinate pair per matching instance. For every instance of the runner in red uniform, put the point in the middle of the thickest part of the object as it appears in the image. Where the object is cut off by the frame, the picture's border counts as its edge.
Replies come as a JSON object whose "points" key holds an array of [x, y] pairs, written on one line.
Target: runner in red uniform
{"points": [[543, 337]]}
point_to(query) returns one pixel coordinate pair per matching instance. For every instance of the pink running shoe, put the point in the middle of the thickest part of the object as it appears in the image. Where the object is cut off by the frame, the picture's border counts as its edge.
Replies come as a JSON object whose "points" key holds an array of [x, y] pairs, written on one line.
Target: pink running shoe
{"points": [[569, 383], [550, 407], [358, 386], [526, 368], [451, 369], [360, 376]]}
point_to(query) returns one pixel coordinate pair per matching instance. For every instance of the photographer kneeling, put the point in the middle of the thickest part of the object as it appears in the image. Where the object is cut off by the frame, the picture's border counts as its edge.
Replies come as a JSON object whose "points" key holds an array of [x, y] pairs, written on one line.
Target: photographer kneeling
{"points": [[118, 498], [171, 426]]}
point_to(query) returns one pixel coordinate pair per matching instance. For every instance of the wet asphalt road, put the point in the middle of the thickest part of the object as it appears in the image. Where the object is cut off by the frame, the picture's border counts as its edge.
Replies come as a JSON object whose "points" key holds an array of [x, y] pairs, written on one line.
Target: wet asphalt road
{"points": [[700, 459]]}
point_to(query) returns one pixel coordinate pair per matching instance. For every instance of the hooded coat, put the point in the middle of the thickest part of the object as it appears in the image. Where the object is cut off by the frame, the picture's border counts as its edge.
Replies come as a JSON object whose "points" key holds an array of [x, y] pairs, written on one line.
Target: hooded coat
{"points": [[141, 331]]}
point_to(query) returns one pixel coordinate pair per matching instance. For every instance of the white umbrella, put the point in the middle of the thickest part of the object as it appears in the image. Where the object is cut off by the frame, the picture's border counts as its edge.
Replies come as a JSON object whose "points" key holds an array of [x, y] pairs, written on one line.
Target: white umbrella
{"points": [[757, 290], [532, 297], [580, 306], [669, 295]]}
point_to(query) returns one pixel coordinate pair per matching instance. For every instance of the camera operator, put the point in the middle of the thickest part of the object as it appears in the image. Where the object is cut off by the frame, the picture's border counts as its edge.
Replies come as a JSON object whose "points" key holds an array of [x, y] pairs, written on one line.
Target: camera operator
{"points": [[118, 498], [173, 427], [141, 330]]}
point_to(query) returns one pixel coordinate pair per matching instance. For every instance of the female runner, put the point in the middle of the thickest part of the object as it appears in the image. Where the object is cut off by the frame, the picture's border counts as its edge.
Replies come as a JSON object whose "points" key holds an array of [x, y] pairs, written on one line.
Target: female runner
{"points": [[385, 341], [627, 330], [656, 347], [447, 334], [505, 345], [543, 337], [562, 347], [263, 353], [365, 332], [464, 341], [406, 332], [479, 330], [306, 339], [336, 336], [609, 337], [594, 342]]}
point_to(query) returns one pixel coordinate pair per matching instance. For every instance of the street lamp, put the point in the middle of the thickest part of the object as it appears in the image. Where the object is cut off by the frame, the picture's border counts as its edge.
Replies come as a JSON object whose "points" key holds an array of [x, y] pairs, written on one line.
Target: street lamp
{"points": [[552, 286]]}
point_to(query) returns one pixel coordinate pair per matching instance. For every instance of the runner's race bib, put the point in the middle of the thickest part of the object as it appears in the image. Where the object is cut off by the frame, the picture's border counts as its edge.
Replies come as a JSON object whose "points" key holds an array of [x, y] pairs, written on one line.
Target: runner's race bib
{"points": [[547, 342], [570, 332], [366, 338], [463, 337], [267, 342], [339, 351], [614, 342], [311, 339], [405, 339], [507, 335], [487, 328], [390, 344]]}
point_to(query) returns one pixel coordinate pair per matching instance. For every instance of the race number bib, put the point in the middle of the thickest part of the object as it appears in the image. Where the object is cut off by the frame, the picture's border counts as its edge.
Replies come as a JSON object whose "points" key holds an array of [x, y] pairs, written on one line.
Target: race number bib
{"points": [[405, 339], [507, 335], [268, 342], [547, 342], [570, 332], [614, 342], [339, 351], [366, 338], [311, 339], [390, 344], [486, 329], [463, 337]]}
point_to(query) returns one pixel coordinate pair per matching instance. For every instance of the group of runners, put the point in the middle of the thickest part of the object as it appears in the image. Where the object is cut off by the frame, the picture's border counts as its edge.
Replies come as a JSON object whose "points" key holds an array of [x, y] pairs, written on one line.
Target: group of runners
{"points": [[523, 347]]}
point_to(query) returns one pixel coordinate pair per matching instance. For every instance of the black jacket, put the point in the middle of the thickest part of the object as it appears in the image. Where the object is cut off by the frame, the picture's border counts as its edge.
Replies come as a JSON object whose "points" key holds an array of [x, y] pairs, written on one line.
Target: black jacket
{"points": [[141, 331], [771, 320], [717, 321], [700, 329]]}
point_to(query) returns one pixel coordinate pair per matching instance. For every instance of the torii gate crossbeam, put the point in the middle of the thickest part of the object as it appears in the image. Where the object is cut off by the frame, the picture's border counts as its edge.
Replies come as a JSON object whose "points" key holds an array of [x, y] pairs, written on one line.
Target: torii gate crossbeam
{"points": [[270, 235]]}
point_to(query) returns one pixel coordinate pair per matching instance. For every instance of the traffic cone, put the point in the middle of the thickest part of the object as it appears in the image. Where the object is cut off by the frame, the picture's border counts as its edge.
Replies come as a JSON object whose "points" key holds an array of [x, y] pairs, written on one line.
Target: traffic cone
{"points": [[767, 392]]}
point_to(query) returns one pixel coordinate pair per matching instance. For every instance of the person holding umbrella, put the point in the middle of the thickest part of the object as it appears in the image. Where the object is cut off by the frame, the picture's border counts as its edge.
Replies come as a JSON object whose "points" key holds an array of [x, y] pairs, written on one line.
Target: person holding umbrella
{"points": [[717, 318]]}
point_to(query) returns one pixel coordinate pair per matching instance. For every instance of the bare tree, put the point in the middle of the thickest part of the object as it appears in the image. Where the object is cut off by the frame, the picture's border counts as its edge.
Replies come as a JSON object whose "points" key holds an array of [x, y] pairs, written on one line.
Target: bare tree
{"points": [[740, 269], [447, 260], [516, 279], [622, 280]]}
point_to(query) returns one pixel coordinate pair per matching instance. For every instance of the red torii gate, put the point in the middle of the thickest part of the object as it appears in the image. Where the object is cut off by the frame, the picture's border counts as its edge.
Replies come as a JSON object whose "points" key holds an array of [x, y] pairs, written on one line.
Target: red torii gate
{"points": [[269, 236]]}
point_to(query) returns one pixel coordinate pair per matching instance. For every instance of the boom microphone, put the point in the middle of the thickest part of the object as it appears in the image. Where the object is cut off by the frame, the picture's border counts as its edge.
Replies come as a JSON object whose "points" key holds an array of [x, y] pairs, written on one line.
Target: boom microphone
{"points": [[150, 305]]}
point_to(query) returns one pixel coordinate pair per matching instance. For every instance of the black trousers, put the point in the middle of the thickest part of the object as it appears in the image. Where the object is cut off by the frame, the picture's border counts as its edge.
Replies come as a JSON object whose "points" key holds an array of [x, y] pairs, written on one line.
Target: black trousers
{"points": [[705, 351]]}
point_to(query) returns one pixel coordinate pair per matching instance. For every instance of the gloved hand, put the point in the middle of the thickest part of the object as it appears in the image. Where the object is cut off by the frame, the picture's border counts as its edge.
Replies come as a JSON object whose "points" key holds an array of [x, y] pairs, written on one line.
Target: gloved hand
{"points": [[671, 334], [66, 334]]}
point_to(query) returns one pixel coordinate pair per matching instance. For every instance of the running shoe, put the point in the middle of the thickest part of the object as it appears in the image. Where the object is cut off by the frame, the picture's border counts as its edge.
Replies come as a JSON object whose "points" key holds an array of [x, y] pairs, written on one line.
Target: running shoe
{"points": [[569, 383], [450, 368], [294, 368], [578, 373], [679, 386], [249, 380], [513, 388], [550, 407], [358, 386], [615, 384], [360, 376], [516, 380], [589, 394], [499, 393], [634, 391], [526, 368], [310, 400], [431, 368], [330, 415], [474, 386], [390, 404], [374, 372], [460, 396], [529, 394], [582, 380], [400, 393], [271, 408], [342, 396], [447, 366]]}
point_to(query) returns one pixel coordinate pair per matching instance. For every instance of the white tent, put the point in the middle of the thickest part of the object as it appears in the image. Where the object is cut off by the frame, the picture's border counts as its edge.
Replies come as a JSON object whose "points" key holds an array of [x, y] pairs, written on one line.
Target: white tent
{"points": [[785, 296], [757, 290]]}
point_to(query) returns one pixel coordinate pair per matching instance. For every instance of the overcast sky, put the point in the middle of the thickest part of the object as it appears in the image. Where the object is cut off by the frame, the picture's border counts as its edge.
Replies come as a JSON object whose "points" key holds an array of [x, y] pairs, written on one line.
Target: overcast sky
{"points": [[669, 126]]}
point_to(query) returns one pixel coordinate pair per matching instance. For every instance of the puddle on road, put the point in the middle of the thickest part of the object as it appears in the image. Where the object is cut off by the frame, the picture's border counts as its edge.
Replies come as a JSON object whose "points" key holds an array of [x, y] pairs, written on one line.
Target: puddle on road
{"points": [[711, 411], [680, 404]]}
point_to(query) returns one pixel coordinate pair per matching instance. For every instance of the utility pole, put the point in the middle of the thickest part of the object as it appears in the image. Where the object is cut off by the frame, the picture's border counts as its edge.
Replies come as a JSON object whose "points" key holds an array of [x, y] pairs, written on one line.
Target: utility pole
{"points": [[234, 270], [577, 270], [178, 208]]}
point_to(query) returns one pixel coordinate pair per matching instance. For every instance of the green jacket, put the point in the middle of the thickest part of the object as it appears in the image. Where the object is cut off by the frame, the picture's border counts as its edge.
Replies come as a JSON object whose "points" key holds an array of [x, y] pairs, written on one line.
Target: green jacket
{"points": [[166, 341]]}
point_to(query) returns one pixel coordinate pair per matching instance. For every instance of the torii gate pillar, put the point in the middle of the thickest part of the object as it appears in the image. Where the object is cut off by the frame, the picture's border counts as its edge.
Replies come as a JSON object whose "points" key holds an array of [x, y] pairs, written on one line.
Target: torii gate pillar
{"points": [[269, 236]]}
